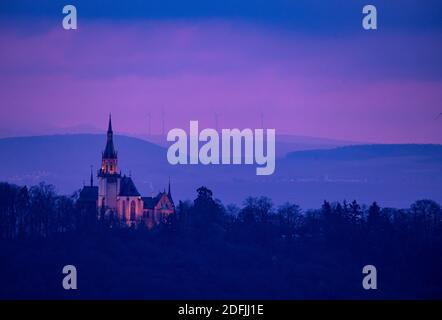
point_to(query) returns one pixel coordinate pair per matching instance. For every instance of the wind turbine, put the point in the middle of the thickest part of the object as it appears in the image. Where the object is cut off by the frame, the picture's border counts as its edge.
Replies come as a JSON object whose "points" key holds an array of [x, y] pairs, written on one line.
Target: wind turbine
{"points": [[162, 121], [149, 119], [216, 122]]}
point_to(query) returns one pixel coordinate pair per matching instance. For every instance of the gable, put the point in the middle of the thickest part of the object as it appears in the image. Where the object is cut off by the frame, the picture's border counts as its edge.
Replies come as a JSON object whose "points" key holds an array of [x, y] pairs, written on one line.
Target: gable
{"points": [[160, 201], [164, 203]]}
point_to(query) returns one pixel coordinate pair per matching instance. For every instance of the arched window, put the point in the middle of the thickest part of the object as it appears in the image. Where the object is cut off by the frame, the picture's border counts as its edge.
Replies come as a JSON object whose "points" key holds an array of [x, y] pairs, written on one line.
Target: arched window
{"points": [[123, 212], [132, 211]]}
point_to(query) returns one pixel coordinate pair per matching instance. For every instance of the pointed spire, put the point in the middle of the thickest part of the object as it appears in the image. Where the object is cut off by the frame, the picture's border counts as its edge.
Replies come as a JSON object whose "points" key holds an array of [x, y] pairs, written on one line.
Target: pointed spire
{"points": [[109, 128], [168, 193], [92, 177], [109, 151]]}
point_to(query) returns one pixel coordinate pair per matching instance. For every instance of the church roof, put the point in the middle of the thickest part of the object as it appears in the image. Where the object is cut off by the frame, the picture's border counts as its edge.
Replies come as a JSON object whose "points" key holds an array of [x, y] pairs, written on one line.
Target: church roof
{"points": [[127, 188], [151, 202], [109, 152], [88, 194]]}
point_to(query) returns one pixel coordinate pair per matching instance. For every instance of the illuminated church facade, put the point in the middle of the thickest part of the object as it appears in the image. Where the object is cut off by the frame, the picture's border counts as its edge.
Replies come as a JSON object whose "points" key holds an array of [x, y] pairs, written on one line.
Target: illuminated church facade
{"points": [[116, 196]]}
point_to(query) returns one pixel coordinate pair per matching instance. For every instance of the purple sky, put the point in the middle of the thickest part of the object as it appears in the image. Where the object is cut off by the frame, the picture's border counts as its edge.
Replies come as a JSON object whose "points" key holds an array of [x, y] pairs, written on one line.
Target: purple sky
{"points": [[382, 86]]}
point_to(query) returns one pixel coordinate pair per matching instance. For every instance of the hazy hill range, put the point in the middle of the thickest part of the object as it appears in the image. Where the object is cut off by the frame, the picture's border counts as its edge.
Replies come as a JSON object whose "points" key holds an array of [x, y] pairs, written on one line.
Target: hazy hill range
{"points": [[393, 175], [284, 143]]}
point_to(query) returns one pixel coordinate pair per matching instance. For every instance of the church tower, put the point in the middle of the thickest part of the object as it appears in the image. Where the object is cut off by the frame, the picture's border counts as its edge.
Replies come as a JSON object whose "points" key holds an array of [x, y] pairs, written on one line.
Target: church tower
{"points": [[108, 176], [109, 159]]}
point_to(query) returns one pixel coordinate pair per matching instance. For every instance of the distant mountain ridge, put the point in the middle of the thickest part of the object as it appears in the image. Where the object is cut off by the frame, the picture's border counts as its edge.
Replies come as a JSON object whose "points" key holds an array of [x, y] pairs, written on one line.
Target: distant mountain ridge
{"points": [[285, 142], [367, 151], [394, 175]]}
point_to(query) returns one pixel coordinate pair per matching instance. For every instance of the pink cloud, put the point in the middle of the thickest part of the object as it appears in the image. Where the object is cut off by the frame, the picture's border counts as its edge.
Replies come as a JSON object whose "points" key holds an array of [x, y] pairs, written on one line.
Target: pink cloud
{"points": [[357, 87]]}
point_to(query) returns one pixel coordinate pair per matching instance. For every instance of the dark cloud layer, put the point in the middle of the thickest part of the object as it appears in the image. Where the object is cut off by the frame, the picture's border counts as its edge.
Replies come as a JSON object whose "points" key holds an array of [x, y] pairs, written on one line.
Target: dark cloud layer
{"points": [[307, 65], [319, 16]]}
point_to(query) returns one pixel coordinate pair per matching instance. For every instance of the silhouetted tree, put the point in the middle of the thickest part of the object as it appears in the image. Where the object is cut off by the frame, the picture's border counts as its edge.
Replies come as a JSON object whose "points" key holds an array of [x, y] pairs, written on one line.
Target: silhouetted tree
{"points": [[66, 219], [374, 216], [426, 219], [289, 219], [42, 207], [256, 210], [355, 213], [8, 217], [23, 213], [206, 215]]}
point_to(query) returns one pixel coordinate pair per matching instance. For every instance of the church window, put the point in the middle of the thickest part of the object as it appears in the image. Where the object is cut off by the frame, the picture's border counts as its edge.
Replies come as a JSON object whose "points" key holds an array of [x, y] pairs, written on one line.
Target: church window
{"points": [[132, 211]]}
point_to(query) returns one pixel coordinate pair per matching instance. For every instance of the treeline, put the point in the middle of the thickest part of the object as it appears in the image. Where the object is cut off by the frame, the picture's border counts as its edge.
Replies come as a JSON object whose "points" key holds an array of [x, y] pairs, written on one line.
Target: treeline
{"points": [[211, 250], [343, 224], [39, 212]]}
